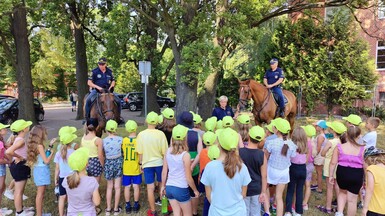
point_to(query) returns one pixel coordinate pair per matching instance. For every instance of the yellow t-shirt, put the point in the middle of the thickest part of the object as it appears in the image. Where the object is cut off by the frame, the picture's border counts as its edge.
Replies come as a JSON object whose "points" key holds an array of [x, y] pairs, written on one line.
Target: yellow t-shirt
{"points": [[328, 157], [91, 145], [377, 201], [152, 145], [131, 165]]}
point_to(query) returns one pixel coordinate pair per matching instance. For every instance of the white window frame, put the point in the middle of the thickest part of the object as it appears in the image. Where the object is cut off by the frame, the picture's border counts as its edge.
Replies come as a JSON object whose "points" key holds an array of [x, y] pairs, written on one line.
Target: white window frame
{"points": [[381, 10], [379, 48]]}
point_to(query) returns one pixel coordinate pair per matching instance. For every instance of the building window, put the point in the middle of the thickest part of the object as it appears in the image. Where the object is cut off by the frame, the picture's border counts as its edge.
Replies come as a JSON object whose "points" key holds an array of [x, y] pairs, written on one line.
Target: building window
{"points": [[330, 12], [381, 55], [381, 10]]}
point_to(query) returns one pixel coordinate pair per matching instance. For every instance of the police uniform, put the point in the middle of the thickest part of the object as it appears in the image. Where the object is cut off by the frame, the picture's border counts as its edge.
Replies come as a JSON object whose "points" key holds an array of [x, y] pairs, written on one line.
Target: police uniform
{"points": [[272, 77], [220, 113]]}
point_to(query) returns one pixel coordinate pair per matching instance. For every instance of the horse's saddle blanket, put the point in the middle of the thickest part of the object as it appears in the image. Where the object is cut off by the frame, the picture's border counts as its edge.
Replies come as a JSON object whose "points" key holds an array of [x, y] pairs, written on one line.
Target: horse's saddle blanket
{"points": [[276, 98]]}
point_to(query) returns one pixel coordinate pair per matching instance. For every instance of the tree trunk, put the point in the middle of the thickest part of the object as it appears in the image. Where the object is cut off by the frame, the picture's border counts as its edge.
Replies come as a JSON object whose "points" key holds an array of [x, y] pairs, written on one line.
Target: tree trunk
{"points": [[81, 59], [206, 99], [23, 65]]}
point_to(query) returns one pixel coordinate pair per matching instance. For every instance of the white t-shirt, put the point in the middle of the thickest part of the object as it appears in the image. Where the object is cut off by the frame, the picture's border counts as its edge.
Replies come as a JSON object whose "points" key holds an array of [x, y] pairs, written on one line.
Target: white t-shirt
{"points": [[370, 139], [226, 193]]}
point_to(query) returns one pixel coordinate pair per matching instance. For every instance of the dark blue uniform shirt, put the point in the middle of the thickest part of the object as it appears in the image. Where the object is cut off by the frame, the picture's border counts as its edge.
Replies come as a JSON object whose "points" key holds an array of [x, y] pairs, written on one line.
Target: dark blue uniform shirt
{"points": [[220, 113], [101, 79], [273, 76]]}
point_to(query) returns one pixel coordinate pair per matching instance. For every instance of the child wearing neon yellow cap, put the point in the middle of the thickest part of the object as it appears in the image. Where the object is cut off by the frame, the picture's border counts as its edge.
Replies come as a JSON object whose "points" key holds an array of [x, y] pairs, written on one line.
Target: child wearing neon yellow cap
{"points": [[310, 133], [244, 125], [279, 151], [19, 170], [131, 169], [151, 147], [226, 170], [197, 123], [256, 163], [112, 146], [82, 190], [176, 174], [62, 168], [3, 161], [95, 146], [297, 172], [38, 159]]}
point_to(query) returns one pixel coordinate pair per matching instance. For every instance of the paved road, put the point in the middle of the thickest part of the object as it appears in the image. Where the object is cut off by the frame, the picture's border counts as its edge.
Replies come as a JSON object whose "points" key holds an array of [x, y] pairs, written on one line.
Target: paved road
{"points": [[57, 116]]}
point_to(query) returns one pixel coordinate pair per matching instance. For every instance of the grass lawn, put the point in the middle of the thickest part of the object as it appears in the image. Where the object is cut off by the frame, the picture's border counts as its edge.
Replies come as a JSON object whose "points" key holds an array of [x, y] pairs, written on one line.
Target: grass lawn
{"points": [[50, 206]]}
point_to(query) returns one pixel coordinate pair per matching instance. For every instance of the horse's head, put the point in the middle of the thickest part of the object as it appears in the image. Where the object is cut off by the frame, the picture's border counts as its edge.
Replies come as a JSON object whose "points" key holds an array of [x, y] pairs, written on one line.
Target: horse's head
{"points": [[244, 93], [107, 106]]}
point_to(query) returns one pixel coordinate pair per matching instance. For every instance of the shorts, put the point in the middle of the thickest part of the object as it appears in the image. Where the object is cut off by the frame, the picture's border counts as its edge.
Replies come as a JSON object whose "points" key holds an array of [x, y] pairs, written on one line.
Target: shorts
{"points": [[196, 182], [309, 171], [73, 103], [62, 190], [41, 175], [149, 174], [350, 179], [3, 170], [277, 176], [128, 180], [319, 160], [370, 213], [179, 194], [20, 171], [113, 168], [94, 167]]}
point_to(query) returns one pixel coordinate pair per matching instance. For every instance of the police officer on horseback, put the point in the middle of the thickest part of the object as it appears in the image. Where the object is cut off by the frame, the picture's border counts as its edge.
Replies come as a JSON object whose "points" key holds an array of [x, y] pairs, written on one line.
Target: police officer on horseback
{"points": [[100, 80], [273, 79]]}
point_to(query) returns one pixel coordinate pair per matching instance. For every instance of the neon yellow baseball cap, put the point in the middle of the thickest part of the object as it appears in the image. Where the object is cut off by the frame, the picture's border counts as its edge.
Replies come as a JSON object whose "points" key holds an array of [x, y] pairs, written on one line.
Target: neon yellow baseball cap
{"points": [[257, 133], [213, 152], [228, 139], [197, 118], [211, 123], [78, 160], [209, 138], [67, 129], [227, 121], [309, 130], [219, 124], [131, 126], [160, 119], [2, 126], [152, 118], [111, 126], [244, 119], [270, 126], [20, 125], [353, 119], [282, 125], [67, 138], [168, 113], [337, 126], [179, 132]]}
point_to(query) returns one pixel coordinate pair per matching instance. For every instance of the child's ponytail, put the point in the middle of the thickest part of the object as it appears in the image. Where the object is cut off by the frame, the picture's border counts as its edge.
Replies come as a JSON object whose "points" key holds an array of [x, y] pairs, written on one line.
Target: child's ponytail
{"points": [[285, 147], [232, 162], [73, 180], [63, 152]]}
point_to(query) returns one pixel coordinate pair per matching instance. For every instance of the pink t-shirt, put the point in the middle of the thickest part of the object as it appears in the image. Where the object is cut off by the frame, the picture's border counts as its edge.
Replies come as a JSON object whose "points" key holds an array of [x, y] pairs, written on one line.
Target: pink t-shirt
{"points": [[22, 151], [2, 150], [310, 158], [299, 159], [80, 198]]}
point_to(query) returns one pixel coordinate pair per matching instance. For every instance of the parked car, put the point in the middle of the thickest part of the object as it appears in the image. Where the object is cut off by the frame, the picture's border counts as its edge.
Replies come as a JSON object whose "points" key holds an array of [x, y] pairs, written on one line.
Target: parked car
{"points": [[9, 110], [2, 96], [134, 101], [121, 97]]}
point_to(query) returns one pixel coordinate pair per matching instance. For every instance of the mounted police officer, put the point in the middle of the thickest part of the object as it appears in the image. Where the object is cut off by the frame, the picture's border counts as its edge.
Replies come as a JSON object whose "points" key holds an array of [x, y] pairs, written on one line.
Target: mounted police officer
{"points": [[273, 79], [100, 80]]}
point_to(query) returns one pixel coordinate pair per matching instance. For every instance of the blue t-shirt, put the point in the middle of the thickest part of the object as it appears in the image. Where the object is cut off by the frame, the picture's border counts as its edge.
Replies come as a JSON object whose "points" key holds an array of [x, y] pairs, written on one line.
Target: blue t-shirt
{"points": [[276, 159], [271, 137], [221, 113], [113, 147], [101, 79], [64, 168], [273, 76], [226, 193]]}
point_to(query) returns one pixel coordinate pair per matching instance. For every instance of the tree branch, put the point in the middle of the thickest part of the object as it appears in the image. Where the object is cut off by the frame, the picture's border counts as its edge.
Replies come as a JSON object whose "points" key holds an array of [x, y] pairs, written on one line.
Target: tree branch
{"points": [[167, 72], [165, 46], [144, 13], [93, 35], [7, 49], [351, 9], [36, 26]]}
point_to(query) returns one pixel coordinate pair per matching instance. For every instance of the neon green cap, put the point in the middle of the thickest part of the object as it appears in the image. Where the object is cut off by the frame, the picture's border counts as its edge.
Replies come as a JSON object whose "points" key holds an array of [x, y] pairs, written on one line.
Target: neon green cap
{"points": [[67, 129], [213, 153], [20, 125], [211, 123], [209, 138], [67, 138], [78, 160], [168, 113], [353, 119], [131, 126], [111, 126], [2, 126], [337, 127], [227, 121], [282, 125], [228, 139], [257, 133], [152, 118], [179, 132], [244, 119]]}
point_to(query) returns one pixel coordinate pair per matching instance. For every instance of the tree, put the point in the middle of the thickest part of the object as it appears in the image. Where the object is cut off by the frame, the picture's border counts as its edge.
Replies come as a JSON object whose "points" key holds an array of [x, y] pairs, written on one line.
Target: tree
{"points": [[328, 60]]}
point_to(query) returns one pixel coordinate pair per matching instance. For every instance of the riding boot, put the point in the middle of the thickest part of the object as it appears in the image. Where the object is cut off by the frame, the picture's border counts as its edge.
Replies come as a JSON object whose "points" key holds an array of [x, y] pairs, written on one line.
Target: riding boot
{"points": [[282, 113]]}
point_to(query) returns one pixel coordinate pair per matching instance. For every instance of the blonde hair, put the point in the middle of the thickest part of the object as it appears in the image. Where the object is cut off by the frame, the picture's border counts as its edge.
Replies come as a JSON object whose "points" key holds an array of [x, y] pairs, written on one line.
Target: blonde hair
{"points": [[63, 151], [36, 137], [244, 131], [300, 139], [73, 180], [178, 146], [375, 159]]}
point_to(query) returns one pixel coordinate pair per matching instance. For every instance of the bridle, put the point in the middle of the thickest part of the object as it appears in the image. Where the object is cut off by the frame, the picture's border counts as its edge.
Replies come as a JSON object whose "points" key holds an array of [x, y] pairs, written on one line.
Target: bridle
{"points": [[264, 104], [100, 111]]}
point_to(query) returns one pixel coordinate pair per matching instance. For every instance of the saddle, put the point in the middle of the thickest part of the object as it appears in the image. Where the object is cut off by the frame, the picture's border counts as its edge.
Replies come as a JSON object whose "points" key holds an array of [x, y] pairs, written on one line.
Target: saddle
{"points": [[276, 98]]}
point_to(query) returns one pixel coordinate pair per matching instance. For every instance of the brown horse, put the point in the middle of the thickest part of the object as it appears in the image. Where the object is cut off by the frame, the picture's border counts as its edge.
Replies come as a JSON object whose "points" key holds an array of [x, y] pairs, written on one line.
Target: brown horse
{"points": [[265, 108], [103, 109]]}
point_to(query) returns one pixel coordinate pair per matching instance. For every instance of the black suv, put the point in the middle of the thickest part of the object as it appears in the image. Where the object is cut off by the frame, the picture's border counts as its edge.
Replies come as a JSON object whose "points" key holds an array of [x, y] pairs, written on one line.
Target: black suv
{"points": [[134, 101], [9, 110]]}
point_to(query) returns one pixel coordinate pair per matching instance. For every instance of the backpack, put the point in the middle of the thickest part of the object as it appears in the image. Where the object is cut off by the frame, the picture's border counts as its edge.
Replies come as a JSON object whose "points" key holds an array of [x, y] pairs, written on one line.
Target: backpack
{"points": [[71, 98]]}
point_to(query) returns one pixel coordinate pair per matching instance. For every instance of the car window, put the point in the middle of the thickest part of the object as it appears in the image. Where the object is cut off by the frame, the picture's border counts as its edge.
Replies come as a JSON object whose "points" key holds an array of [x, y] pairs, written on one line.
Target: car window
{"points": [[6, 103]]}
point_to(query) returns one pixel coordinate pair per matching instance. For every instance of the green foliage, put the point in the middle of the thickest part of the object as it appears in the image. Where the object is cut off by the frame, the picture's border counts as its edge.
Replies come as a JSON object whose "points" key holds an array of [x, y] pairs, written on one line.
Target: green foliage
{"points": [[128, 79], [329, 61]]}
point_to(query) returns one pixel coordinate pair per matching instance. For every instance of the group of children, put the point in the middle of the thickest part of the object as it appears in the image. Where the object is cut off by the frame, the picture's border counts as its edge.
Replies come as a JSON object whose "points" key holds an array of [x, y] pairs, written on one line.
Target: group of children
{"points": [[236, 172]]}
